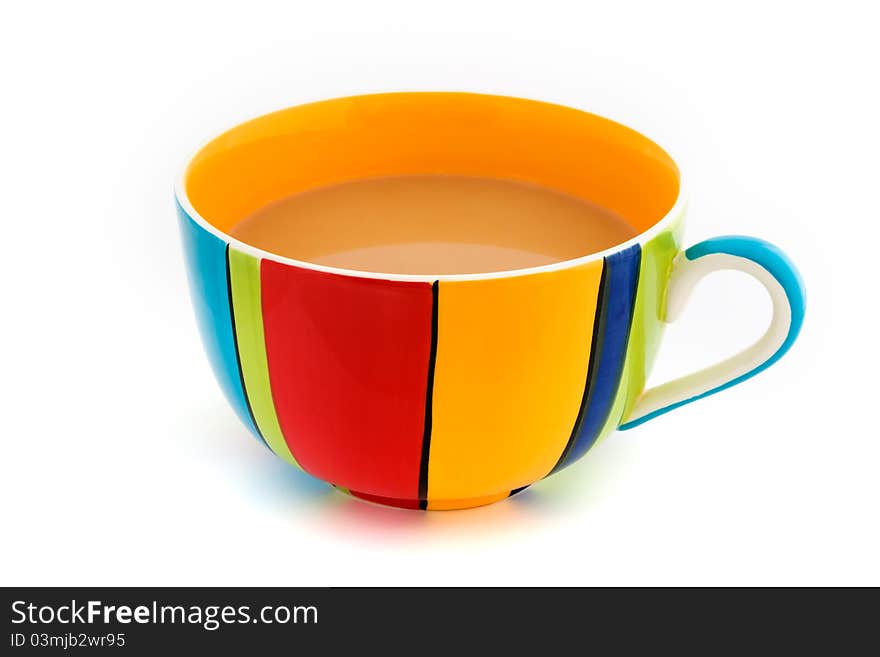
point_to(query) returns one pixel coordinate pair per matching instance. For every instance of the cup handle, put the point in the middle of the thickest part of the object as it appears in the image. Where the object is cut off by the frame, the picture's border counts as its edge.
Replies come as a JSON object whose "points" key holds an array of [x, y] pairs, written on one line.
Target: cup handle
{"points": [[780, 277]]}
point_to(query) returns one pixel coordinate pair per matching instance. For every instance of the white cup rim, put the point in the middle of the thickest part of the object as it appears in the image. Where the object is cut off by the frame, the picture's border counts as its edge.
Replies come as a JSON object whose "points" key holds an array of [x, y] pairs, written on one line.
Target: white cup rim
{"points": [[642, 238]]}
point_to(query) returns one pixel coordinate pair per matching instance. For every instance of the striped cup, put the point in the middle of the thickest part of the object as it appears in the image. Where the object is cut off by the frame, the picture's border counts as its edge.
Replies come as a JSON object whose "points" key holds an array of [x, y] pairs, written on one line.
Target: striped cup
{"points": [[452, 391]]}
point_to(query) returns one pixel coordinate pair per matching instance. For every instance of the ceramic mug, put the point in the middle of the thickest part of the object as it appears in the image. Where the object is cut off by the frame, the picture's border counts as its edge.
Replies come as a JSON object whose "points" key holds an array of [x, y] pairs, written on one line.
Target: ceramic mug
{"points": [[452, 391]]}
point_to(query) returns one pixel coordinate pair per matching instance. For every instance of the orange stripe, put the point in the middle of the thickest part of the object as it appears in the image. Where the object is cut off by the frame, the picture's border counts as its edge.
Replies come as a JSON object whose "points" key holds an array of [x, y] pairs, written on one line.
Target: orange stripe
{"points": [[512, 359]]}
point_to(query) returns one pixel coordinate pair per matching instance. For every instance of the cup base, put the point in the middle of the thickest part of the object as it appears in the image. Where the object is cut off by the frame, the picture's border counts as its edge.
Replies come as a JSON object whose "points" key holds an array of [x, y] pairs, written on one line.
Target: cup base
{"points": [[431, 505]]}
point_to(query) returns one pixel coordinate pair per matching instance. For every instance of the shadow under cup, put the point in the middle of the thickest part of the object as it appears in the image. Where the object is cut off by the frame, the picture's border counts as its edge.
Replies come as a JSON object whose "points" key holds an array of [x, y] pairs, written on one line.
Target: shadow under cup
{"points": [[434, 392]]}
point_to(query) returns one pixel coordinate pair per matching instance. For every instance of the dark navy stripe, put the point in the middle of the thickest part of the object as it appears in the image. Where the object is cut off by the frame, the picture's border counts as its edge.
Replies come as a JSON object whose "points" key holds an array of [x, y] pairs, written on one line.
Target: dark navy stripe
{"points": [[614, 314], [592, 366]]}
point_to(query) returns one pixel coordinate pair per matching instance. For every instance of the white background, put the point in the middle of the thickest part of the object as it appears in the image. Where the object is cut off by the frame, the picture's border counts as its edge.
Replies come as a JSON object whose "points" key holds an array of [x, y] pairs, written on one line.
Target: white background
{"points": [[121, 462]]}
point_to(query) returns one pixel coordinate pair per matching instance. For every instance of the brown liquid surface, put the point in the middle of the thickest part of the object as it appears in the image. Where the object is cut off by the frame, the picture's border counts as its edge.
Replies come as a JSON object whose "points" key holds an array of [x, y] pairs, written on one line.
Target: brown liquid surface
{"points": [[433, 224]]}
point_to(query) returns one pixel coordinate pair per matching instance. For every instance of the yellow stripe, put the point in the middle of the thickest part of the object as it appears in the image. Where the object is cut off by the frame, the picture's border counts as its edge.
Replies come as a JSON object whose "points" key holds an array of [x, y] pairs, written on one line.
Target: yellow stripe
{"points": [[451, 505], [512, 358]]}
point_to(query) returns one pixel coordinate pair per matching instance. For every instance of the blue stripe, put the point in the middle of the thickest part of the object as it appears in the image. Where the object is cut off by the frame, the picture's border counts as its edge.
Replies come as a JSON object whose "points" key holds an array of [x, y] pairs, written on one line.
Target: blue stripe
{"points": [[614, 312], [771, 258], [206, 266]]}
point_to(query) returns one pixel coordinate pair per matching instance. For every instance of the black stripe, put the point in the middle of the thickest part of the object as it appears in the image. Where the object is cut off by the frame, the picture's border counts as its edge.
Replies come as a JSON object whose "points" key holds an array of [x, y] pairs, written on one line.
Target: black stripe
{"points": [[429, 401], [595, 353], [518, 490], [247, 400]]}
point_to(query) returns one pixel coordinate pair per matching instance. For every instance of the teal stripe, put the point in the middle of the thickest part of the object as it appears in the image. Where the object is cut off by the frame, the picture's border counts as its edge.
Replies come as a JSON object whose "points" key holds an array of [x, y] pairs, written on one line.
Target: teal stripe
{"points": [[207, 269]]}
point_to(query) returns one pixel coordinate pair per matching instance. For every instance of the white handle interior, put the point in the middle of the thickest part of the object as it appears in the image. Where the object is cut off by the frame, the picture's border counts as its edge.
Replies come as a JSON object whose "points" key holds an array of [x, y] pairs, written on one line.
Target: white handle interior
{"points": [[685, 275]]}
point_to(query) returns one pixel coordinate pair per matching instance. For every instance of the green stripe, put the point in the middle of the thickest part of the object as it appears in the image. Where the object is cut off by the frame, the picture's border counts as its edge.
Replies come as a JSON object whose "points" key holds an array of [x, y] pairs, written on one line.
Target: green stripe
{"points": [[647, 327], [244, 273]]}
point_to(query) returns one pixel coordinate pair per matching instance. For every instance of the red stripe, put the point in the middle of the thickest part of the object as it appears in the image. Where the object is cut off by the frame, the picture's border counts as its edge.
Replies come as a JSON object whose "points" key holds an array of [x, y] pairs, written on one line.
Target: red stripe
{"points": [[348, 363], [387, 501]]}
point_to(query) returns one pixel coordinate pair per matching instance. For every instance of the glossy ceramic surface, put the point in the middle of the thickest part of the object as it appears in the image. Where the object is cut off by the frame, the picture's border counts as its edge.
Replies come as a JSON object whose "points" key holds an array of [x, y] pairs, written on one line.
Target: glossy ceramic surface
{"points": [[449, 391]]}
